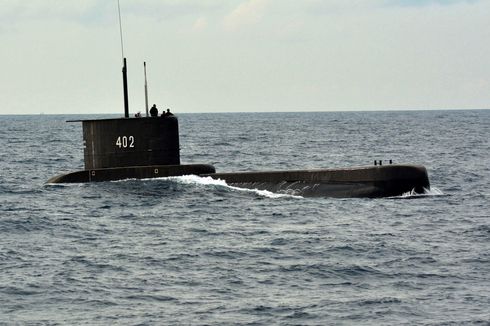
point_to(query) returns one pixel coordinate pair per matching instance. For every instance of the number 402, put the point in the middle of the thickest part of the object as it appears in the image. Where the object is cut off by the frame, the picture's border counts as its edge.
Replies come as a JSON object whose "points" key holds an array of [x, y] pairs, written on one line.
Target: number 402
{"points": [[125, 142]]}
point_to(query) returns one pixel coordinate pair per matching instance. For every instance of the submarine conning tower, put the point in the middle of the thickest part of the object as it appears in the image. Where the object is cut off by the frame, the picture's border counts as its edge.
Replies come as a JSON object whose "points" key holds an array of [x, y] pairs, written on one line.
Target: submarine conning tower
{"points": [[127, 142], [125, 148]]}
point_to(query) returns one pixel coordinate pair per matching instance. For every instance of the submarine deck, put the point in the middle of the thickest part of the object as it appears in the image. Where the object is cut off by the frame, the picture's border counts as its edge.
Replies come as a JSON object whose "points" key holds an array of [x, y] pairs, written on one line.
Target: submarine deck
{"points": [[368, 181]]}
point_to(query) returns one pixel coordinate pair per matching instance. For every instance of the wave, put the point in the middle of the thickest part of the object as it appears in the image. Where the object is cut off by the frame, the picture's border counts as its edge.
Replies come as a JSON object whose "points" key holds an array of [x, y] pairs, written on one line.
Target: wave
{"points": [[208, 181], [433, 191], [189, 180]]}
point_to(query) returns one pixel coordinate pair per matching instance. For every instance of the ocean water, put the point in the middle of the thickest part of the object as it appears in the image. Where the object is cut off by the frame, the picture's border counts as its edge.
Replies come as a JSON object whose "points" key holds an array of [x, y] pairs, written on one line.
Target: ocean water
{"points": [[193, 251]]}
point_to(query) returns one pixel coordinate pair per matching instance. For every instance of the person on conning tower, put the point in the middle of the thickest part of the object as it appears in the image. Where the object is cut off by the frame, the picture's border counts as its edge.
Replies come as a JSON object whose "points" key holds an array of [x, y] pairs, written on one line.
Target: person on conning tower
{"points": [[167, 114], [154, 111]]}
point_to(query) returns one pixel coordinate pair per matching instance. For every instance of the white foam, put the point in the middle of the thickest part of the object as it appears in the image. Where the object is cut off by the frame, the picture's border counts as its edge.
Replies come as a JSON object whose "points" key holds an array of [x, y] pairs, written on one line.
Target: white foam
{"points": [[196, 180], [433, 191]]}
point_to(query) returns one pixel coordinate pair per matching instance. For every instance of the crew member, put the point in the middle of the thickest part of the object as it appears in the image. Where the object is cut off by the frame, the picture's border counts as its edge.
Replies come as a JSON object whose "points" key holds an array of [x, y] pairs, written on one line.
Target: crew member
{"points": [[154, 111], [168, 113]]}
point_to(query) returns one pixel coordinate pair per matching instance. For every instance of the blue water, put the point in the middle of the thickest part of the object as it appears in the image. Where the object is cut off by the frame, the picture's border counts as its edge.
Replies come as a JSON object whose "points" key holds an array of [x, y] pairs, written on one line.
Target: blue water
{"points": [[194, 251]]}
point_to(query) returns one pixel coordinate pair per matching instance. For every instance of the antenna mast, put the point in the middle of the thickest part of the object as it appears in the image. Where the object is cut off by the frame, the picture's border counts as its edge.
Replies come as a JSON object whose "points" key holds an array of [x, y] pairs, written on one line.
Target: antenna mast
{"points": [[120, 29], [146, 90], [124, 69]]}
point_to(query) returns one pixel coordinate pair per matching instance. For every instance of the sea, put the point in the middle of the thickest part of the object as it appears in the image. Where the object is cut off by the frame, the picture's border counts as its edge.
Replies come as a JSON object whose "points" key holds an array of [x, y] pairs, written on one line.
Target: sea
{"points": [[195, 251]]}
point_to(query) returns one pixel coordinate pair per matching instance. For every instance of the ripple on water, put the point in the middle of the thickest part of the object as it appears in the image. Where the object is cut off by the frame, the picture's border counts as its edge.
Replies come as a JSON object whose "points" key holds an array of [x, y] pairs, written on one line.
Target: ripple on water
{"points": [[193, 250]]}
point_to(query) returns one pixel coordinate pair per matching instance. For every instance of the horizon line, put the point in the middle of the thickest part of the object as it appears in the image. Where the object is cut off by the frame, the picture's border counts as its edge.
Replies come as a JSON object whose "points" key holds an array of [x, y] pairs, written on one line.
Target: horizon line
{"points": [[261, 112]]}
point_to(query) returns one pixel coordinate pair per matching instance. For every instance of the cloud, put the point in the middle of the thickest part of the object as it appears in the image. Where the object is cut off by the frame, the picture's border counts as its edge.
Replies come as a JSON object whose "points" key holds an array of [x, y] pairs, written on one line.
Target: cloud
{"points": [[96, 12], [247, 13], [200, 24], [88, 12], [336, 7], [417, 3]]}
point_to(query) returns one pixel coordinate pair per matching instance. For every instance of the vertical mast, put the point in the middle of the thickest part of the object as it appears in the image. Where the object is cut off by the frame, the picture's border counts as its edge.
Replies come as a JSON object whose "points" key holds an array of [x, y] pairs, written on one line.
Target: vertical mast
{"points": [[125, 89], [146, 90], [120, 29], [124, 69]]}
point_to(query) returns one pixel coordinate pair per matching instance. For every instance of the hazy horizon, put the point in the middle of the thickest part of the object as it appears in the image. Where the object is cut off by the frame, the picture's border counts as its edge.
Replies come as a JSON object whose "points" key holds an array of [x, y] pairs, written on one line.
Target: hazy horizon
{"points": [[239, 112]]}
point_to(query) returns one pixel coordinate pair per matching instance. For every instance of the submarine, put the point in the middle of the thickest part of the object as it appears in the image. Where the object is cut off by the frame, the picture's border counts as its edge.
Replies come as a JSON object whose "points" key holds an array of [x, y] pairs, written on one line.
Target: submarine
{"points": [[148, 147]]}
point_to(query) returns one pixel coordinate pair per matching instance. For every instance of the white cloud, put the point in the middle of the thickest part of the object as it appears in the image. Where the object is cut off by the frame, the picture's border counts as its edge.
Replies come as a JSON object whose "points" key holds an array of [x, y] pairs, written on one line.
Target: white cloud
{"points": [[249, 12], [200, 24], [415, 3], [47, 10]]}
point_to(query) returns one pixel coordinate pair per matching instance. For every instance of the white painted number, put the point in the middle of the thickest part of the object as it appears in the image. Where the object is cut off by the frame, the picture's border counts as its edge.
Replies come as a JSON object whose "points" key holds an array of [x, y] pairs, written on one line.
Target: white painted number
{"points": [[125, 142]]}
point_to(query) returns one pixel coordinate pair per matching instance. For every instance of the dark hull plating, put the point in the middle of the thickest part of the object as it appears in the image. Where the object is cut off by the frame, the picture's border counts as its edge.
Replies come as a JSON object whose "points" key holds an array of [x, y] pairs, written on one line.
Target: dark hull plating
{"points": [[132, 172], [118, 143], [376, 181]]}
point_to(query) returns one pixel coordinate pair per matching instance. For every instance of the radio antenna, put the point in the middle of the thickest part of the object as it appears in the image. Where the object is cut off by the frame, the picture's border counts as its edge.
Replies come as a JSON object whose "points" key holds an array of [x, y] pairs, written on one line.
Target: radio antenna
{"points": [[125, 68], [146, 90], [120, 29]]}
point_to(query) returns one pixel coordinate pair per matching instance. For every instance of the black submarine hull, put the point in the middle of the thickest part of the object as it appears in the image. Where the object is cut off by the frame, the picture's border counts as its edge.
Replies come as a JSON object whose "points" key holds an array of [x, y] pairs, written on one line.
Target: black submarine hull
{"points": [[132, 172], [370, 182]]}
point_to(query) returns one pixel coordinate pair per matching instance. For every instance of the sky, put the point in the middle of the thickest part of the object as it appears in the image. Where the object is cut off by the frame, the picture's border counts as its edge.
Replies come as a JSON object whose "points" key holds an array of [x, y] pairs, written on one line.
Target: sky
{"points": [[64, 56]]}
